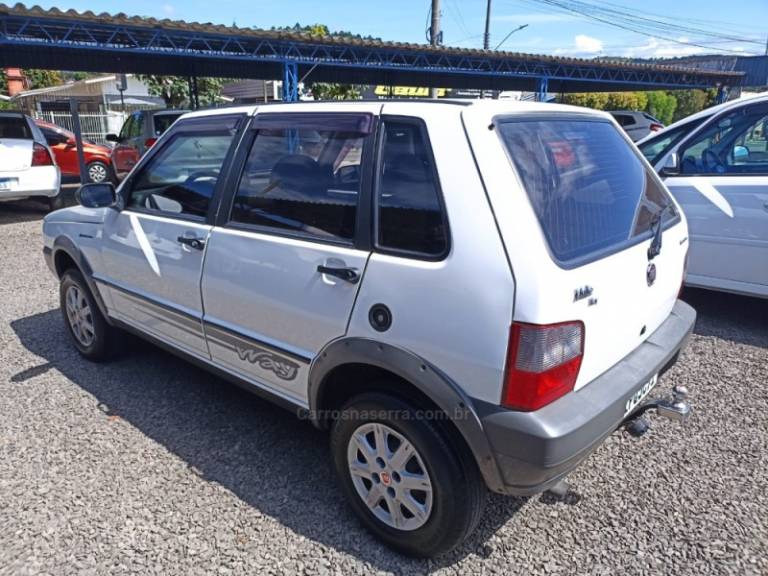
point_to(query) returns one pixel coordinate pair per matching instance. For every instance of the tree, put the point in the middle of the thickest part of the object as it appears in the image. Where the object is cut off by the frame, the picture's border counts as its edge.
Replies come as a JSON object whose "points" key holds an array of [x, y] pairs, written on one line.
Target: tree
{"points": [[689, 102], [661, 105], [35, 79], [174, 90]]}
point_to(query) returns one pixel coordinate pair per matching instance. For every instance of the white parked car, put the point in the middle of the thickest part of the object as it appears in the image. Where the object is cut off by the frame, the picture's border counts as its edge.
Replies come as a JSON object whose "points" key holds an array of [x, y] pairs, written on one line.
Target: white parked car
{"points": [[715, 163], [27, 167], [470, 296]]}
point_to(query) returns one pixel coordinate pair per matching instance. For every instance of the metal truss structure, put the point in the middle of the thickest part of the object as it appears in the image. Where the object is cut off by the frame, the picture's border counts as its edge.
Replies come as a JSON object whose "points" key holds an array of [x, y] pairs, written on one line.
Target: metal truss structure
{"points": [[37, 38]]}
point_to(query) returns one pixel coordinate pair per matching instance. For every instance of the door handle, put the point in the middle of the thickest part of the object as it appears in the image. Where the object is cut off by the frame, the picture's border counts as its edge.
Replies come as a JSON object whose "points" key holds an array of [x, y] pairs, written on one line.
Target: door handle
{"points": [[350, 275], [196, 243]]}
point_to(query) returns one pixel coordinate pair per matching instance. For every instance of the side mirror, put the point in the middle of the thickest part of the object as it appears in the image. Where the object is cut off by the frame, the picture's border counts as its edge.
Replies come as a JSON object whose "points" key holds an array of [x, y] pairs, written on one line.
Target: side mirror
{"points": [[112, 138], [740, 153], [671, 166], [97, 195], [70, 142]]}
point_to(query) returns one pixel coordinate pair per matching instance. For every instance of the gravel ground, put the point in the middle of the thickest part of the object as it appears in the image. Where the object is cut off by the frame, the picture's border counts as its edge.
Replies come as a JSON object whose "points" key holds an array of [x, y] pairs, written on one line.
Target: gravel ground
{"points": [[150, 466]]}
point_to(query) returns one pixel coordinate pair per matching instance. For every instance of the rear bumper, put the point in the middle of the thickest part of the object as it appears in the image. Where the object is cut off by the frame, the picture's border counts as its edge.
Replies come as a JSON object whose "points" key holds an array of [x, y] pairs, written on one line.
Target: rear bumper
{"points": [[534, 450], [36, 181]]}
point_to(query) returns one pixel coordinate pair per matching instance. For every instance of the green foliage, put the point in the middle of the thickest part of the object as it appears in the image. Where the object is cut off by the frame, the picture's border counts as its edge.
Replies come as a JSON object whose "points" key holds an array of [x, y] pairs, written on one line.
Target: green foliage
{"points": [[174, 90], [689, 102], [608, 100], [661, 105], [324, 91], [35, 79]]}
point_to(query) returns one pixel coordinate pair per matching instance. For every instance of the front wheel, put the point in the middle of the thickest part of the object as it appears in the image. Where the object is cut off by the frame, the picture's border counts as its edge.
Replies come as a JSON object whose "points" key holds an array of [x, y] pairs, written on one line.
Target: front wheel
{"points": [[92, 336], [403, 479]]}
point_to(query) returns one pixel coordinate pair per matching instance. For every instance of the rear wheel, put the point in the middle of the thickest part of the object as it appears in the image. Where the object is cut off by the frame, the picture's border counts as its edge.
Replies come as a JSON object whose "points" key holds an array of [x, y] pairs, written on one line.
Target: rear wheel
{"points": [[99, 172], [402, 478], [56, 202], [92, 336]]}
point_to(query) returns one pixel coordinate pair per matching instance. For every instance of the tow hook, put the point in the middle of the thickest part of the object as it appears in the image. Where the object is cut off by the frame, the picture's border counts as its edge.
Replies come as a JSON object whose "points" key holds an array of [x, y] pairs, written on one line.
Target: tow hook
{"points": [[675, 408]]}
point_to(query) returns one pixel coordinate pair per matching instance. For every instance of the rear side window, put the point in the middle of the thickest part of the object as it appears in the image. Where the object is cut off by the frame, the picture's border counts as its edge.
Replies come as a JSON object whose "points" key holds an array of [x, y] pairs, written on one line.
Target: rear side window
{"points": [[15, 127], [590, 191], [303, 175], [410, 216], [182, 176]]}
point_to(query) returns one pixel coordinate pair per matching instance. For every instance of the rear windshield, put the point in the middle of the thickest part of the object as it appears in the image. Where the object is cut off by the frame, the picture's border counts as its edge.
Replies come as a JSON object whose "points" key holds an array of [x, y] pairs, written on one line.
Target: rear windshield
{"points": [[589, 189], [163, 122], [14, 127]]}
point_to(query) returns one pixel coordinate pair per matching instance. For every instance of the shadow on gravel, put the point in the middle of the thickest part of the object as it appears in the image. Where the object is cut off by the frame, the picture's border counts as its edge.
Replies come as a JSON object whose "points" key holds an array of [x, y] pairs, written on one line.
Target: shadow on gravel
{"points": [[271, 460], [731, 317], [28, 210]]}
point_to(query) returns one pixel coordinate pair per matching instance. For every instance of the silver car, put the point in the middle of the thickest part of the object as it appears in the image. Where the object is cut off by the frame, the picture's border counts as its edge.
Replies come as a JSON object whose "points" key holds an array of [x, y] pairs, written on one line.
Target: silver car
{"points": [[470, 296]]}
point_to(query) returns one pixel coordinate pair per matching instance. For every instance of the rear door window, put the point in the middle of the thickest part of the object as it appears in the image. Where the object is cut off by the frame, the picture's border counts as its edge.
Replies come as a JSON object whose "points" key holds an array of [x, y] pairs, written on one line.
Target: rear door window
{"points": [[654, 149], [303, 175], [590, 191], [15, 127]]}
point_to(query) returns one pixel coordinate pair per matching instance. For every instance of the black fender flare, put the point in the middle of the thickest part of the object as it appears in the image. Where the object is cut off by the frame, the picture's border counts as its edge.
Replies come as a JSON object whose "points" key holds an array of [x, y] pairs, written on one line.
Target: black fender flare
{"points": [[66, 245], [428, 379]]}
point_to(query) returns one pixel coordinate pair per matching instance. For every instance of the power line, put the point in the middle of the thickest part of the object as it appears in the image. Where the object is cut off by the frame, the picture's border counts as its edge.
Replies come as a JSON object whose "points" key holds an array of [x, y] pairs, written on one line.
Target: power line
{"points": [[582, 9]]}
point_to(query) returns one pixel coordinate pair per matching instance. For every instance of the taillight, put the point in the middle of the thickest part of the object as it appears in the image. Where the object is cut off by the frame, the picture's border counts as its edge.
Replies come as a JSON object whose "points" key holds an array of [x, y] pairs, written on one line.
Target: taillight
{"points": [[543, 363], [149, 142], [656, 127], [41, 156]]}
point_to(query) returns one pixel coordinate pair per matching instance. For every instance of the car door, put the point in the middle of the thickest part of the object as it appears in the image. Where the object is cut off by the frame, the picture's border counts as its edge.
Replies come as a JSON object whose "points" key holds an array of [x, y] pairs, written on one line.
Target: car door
{"points": [[722, 185], [126, 154], [286, 258], [153, 249]]}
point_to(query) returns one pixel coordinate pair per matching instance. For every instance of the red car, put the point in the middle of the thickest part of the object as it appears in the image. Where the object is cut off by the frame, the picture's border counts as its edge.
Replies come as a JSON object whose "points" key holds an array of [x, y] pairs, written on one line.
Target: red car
{"points": [[62, 143]]}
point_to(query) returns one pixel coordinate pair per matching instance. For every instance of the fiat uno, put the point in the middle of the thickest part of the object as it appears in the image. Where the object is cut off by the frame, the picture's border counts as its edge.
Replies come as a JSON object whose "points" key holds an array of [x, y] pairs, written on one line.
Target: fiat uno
{"points": [[469, 296]]}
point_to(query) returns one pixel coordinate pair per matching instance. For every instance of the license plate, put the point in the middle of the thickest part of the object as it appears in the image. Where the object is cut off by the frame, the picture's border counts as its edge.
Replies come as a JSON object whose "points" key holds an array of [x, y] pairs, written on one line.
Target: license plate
{"points": [[636, 398], [7, 183]]}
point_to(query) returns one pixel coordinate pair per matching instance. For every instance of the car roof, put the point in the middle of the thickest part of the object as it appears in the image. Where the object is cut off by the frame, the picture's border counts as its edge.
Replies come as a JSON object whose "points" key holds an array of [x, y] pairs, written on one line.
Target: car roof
{"points": [[492, 107]]}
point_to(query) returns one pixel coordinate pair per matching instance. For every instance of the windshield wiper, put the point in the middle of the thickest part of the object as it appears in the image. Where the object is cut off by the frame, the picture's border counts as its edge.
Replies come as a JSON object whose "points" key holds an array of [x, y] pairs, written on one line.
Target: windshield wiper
{"points": [[657, 225]]}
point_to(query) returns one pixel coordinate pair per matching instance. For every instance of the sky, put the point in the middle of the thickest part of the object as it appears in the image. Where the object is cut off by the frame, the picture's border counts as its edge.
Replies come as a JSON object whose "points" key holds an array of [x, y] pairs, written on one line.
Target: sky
{"points": [[549, 31]]}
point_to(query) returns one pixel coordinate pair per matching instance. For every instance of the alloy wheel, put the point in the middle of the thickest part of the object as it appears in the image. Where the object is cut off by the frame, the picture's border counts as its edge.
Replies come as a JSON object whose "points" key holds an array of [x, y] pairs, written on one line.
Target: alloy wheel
{"points": [[390, 477], [79, 316]]}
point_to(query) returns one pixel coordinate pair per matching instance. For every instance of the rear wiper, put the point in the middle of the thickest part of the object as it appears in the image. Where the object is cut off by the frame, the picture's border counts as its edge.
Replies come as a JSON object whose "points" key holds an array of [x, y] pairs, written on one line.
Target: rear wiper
{"points": [[656, 227]]}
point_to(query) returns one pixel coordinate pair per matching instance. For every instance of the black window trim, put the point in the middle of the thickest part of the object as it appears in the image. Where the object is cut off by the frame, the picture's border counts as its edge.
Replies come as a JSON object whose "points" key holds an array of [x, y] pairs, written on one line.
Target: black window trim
{"points": [[602, 252], [199, 124], [683, 144], [361, 237], [409, 254]]}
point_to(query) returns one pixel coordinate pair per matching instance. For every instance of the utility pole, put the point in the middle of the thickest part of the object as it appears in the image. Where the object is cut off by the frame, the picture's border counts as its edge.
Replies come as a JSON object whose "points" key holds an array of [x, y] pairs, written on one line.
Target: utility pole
{"points": [[487, 35], [434, 36]]}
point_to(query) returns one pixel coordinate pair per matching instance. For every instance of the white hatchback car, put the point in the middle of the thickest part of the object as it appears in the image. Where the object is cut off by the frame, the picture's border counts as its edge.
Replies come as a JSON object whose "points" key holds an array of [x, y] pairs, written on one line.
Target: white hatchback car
{"points": [[715, 163], [27, 166], [468, 295]]}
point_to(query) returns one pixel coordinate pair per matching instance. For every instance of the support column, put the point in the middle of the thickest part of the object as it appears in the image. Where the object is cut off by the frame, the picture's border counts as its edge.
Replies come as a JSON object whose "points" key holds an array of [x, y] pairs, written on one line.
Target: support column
{"points": [[542, 89], [290, 82]]}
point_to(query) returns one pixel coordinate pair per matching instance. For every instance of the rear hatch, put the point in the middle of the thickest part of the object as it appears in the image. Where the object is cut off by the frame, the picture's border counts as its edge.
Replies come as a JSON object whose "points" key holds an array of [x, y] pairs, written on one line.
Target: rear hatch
{"points": [[578, 212], [16, 143]]}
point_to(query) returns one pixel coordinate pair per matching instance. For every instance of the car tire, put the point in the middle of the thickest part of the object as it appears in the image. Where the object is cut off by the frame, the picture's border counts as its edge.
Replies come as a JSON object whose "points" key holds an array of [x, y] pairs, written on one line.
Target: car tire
{"points": [[428, 521], [93, 337], [99, 172], [56, 202]]}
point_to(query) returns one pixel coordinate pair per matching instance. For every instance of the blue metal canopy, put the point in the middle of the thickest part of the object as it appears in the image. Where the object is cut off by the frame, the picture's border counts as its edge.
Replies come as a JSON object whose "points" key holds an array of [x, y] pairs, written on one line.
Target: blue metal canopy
{"points": [[52, 39]]}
